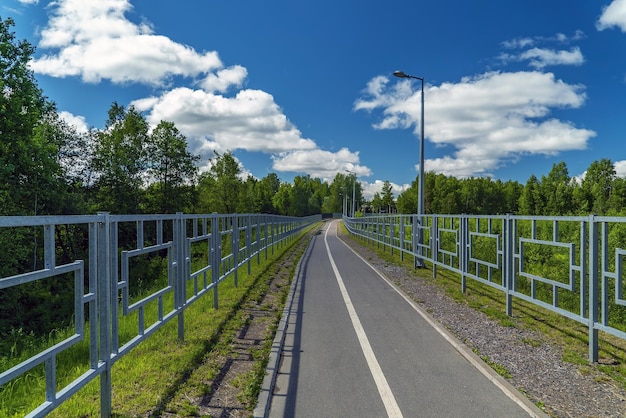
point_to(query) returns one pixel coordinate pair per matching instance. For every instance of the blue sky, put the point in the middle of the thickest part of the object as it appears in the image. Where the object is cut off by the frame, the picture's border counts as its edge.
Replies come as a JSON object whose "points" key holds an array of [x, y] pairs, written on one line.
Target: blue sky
{"points": [[294, 87]]}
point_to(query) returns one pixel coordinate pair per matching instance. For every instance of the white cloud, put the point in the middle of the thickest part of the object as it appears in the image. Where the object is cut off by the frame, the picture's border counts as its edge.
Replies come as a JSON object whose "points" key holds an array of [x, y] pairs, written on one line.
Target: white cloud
{"points": [[250, 120], [224, 79], [320, 163], [620, 168], [613, 15], [518, 43], [95, 41], [78, 122], [29, 1], [369, 189], [540, 58], [489, 119]]}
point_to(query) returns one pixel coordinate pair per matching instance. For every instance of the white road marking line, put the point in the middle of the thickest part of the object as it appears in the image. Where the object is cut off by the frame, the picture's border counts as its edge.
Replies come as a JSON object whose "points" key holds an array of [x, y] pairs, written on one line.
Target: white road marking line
{"points": [[393, 410]]}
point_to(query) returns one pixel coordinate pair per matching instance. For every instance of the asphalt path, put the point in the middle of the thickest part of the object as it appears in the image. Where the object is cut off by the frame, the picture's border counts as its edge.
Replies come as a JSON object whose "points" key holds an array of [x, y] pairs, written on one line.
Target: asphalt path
{"points": [[353, 345]]}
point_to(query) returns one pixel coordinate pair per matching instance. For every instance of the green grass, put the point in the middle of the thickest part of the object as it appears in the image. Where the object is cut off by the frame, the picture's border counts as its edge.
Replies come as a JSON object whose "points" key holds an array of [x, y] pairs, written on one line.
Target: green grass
{"points": [[500, 369], [148, 375]]}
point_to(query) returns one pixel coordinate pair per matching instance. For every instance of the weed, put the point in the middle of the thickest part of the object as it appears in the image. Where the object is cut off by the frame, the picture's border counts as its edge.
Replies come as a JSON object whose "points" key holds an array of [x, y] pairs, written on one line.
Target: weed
{"points": [[531, 342], [500, 369]]}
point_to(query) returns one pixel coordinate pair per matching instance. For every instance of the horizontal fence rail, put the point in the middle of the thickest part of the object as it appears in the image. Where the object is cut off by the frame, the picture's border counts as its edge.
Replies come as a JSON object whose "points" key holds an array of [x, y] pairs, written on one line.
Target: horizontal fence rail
{"points": [[573, 266], [200, 252]]}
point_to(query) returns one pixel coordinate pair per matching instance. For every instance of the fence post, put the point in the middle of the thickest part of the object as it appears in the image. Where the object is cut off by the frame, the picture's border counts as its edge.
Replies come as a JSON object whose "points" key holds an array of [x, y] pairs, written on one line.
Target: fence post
{"points": [[434, 238], [414, 239], [584, 245], [235, 246], [266, 241], [464, 250], [216, 239], [509, 260], [249, 242], [103, 261], [392, 232], [179, 238], [593, 289], [258, 238], [401, 237], [273, 233]]}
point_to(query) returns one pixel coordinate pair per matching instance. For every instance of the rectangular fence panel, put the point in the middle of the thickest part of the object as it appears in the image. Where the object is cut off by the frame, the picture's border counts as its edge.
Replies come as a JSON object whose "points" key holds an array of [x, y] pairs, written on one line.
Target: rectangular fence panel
{"points": [[194, 252], [573, 266]]}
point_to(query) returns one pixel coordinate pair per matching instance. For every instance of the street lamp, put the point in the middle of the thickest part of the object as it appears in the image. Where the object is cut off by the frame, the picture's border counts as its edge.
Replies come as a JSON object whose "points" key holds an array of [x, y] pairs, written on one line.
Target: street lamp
{"points": [[353, 190], [420, 191], [342, 196]]}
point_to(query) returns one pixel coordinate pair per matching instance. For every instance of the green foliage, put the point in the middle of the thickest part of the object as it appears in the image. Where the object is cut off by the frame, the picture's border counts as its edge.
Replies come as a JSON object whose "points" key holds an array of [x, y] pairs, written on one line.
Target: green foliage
{"points": [[219, 189], [27, 158], [120, 160], [172, 168], [449, 195]]}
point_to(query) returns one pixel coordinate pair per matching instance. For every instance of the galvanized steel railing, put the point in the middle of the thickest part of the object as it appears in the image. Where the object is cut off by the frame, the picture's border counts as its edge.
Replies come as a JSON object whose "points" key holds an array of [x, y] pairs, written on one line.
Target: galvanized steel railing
{"points": [[570, 265], [101, 283]]}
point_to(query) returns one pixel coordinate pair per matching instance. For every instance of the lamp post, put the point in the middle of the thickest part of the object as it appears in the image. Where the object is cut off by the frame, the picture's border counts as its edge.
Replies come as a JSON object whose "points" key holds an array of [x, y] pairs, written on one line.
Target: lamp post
{"points": [[353, 190], [420, 191]]}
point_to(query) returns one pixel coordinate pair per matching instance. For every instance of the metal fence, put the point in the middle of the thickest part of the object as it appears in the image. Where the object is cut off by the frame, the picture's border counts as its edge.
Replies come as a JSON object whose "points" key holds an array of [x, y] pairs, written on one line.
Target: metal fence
{"points": [[573, 266], [200, 252]]}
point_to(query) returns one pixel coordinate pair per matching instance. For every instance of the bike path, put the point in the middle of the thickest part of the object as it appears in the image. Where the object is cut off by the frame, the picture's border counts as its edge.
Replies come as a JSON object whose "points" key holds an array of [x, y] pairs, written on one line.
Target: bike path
{"points": [[355, 346]]}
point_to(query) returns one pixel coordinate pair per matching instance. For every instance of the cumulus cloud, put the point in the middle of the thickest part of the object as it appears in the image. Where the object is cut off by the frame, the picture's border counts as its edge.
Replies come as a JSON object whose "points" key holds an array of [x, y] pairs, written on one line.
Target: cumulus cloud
{"points": [[320, 163], [613, 15], [94, 40], [620, 168], [490, 118], [250, 120], [77, 122]]}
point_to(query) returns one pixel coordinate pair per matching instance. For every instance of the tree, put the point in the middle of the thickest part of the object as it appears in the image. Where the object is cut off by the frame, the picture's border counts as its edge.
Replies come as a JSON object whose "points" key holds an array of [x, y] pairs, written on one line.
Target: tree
{"points": [[26, 159], [337, 192], [597, 185], [555, 191], [120, 161], [172, 169], [512, 191], [267, 188], [407, 199], [282, 199], [529, 200], [219, 188], [387, 200], [446, 196], [377, 203]]}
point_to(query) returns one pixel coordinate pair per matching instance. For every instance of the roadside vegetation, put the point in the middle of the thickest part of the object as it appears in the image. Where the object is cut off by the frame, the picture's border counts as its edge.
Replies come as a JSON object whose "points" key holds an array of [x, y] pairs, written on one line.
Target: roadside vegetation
{"points": [[149, 380]]}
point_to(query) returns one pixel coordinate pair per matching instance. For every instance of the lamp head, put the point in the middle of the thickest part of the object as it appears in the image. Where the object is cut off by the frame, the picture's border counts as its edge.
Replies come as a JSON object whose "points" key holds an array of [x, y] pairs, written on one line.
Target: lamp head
{"points": [[401, 74]]}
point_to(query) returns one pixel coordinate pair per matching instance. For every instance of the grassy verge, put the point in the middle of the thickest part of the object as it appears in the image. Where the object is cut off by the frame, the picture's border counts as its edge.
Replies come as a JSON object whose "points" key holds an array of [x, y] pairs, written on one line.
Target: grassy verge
{"points": [[559, 330], [148, 377], [229, 380]]}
